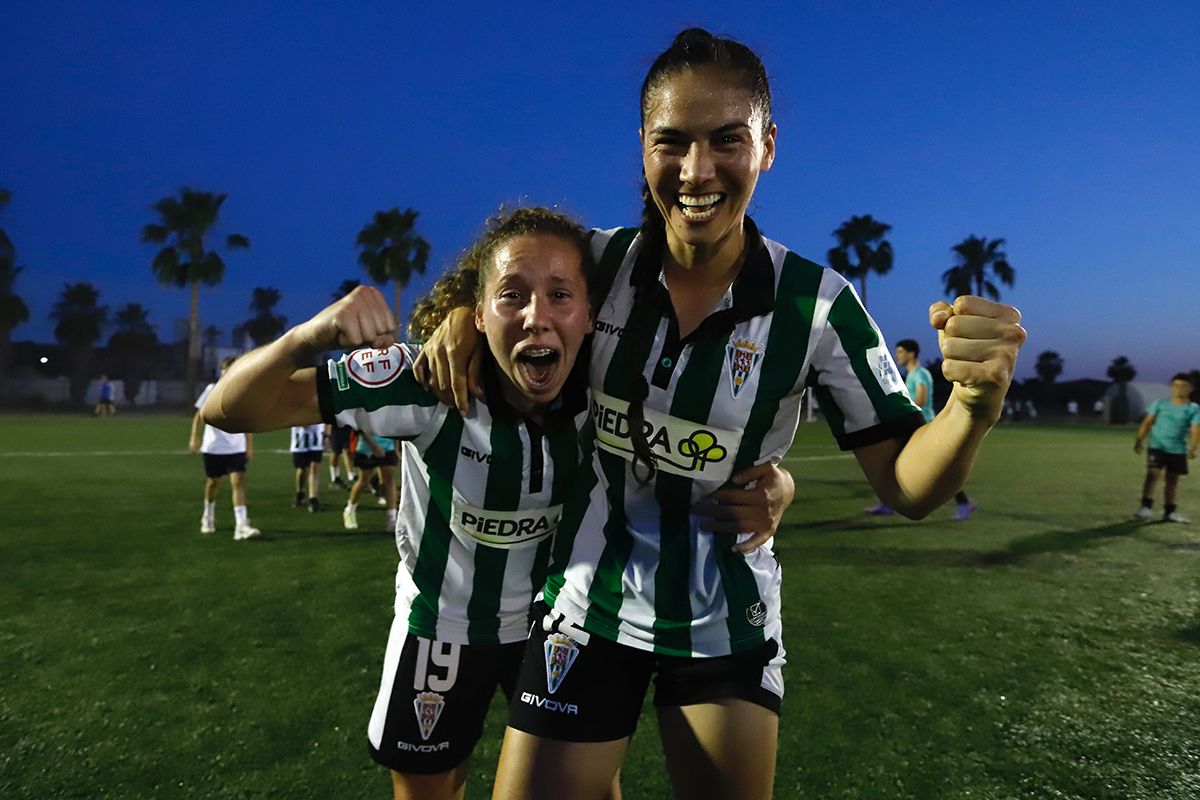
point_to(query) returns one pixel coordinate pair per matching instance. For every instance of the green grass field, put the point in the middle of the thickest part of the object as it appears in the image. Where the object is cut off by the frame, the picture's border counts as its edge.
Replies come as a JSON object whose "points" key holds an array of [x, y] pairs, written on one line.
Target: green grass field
{"points": [[1048, 648]]}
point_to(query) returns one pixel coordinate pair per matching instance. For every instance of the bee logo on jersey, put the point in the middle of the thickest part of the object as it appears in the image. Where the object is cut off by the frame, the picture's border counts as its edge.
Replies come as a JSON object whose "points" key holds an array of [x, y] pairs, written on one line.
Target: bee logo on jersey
{"points": [[561, 652], [744, 356], [429, 706], [374, 368]]}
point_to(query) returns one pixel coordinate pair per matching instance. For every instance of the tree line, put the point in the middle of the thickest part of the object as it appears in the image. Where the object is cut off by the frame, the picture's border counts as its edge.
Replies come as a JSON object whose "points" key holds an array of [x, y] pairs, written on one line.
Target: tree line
{"points": [[188, 256], [390, 250]]}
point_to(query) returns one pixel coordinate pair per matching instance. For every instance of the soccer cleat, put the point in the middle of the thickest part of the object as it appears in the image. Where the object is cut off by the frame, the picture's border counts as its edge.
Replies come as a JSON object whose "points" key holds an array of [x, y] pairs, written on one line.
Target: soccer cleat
{"points": [[245, 532], [1143, 513], [963, 512], [382, 501], [1175, 516], [314, 505], [878, 510], [208, 525], [350, 519], [341, 482], [299, 501]]}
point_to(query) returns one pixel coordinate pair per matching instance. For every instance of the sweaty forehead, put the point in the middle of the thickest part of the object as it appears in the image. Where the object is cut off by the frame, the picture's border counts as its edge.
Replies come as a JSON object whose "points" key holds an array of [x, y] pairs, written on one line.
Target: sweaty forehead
{"points": [[537, 258], [705, 97]]}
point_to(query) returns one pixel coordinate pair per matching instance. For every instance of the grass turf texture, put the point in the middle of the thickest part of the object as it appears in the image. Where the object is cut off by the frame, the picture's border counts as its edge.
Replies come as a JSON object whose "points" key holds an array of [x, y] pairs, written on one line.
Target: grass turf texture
{"points": [[1047, 648]]}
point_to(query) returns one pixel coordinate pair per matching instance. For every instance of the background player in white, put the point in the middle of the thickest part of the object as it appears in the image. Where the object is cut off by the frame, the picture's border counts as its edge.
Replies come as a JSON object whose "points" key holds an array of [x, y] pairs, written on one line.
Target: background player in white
{"points": [[308, 449], [700, 283], [1173, 425], [224, 454]]}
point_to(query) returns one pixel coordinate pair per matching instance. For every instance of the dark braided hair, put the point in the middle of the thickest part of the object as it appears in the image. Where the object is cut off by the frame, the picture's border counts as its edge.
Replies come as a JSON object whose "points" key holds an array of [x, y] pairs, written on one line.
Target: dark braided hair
{"points": [[692, 49]]}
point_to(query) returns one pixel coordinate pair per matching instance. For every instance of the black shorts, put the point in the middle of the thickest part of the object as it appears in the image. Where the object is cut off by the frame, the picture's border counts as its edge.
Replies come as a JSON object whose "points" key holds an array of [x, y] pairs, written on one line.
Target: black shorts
{"points": [[433, 699], [339, 438], [1173, 463], [303, 458], [593, 692], [219, 464], [372, 461]]}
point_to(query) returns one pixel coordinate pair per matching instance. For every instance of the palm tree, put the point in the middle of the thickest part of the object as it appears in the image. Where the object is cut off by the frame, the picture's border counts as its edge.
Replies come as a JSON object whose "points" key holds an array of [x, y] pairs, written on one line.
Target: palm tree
{"points": [[6, 245], [345, 287], [1049, 366], [1120, 372], [391, 250], [184, 222], [862, 236], [979, 261], [264, 326], [132, 345], [80, 321], [13, 310]]}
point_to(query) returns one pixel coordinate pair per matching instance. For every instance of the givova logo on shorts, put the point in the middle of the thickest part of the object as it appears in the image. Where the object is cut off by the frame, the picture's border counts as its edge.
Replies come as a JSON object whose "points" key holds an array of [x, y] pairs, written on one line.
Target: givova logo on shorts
{"points": [[679, 446]]}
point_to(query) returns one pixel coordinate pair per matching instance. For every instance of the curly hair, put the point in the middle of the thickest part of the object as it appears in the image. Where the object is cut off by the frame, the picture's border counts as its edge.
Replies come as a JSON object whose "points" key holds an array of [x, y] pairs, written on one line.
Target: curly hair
{"points": [[463, 284]]}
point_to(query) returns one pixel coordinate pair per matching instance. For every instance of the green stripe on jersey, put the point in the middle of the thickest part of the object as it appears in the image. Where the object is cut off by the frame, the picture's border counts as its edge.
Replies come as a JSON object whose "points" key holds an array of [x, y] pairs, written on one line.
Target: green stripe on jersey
{"points": [[440, 459], [787, 342], [575, 505], [849, 320], [605, 595], [610, 262], [692, 400], [404, 391], [696, 396], [564, 455], [503, 491]]}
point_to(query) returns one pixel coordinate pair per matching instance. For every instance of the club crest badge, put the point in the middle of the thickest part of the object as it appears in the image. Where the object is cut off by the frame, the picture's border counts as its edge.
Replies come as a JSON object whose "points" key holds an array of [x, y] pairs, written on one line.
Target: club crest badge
{"points": [[756, 614], [375, 368], [561, 652], [428, 706], [743, 356]]}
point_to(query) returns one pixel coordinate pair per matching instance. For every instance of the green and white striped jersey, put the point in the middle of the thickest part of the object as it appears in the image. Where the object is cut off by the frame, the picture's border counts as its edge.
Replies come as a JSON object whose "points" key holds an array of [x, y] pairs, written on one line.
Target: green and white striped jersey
{"points": [[480, 497], [630, 563]]}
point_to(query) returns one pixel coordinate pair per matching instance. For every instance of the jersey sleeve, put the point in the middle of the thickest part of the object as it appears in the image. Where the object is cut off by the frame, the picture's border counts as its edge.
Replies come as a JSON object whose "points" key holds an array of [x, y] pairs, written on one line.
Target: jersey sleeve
{"points": [[375, 391], [857, 384], [204, 396], [1196, 413]]}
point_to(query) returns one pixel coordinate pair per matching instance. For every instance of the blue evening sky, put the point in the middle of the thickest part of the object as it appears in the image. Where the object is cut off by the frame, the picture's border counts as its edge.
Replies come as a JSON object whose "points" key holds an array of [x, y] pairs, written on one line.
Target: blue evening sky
{"points": [[1072, 130]]}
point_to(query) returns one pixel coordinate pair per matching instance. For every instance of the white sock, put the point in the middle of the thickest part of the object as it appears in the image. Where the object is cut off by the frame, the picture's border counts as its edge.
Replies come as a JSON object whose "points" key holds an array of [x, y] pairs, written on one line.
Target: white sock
{"points": [[351, 507], [333, 473], [392, 518], [240, 517], [210, 509]]}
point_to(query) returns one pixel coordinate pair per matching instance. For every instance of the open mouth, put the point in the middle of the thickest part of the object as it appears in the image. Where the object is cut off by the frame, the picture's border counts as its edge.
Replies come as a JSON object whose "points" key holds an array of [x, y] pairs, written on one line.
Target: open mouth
{"points": [[699, 207], [538, 366]]}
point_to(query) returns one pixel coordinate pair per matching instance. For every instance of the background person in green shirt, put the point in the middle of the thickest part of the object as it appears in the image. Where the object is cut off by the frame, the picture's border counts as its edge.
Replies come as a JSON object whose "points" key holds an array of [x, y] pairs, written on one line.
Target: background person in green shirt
{"points": [[919, 383], [1173, 426]]}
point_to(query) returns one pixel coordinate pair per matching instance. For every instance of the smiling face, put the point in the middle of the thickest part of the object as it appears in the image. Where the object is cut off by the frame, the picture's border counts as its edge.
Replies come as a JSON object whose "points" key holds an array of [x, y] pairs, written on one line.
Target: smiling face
{"points": [[704, 144], [535, 313]]}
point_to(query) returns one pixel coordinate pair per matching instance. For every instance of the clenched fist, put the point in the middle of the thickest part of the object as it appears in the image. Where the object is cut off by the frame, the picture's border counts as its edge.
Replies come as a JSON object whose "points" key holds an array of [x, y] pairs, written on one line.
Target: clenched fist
{"points": [[979, 340]]}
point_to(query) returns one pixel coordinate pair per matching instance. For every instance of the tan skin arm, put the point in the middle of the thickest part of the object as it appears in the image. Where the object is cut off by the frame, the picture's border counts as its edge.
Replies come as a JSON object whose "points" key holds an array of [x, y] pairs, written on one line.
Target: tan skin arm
{"points": [[979, 340], [197, 427], [1144, 431], [272, 387], [922, 395]]}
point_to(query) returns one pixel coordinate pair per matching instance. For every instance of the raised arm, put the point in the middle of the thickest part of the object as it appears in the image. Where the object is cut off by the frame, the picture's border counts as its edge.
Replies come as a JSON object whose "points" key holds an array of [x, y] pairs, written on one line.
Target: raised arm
{"points": [[273, 386], [979, 340]]}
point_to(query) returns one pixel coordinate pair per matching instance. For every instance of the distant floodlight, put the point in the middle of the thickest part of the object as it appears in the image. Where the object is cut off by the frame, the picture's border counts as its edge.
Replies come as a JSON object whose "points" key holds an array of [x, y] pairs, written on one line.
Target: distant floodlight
{"points": [[43, 360]]}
